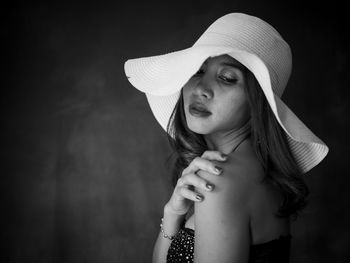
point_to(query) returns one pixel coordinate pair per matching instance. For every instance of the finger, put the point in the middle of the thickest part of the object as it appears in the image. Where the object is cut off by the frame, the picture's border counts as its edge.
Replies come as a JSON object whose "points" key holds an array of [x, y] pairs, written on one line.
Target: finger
{"points": [[195, 180], [199, 163], [183, 182], [191, 195], [214, 155]]}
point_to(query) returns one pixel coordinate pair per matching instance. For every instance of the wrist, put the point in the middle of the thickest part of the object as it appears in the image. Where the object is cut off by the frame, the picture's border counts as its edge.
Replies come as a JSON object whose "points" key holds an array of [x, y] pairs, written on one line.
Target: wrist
{"points": [[171, 222], [168, 211]]}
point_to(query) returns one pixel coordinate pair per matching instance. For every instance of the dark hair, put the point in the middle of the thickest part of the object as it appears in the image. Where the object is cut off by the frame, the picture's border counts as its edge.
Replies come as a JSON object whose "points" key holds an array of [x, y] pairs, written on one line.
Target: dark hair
{"points": [[269, 141]]}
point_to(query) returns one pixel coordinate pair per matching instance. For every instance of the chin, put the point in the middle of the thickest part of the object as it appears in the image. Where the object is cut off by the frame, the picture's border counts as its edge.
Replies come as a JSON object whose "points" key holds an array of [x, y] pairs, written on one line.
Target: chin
{"points": [[199, 128], [198, 125]]}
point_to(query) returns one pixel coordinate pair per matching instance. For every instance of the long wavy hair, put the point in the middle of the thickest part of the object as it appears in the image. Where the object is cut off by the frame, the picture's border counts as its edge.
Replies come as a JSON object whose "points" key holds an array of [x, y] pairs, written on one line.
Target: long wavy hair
{"points": [[269, 141]]}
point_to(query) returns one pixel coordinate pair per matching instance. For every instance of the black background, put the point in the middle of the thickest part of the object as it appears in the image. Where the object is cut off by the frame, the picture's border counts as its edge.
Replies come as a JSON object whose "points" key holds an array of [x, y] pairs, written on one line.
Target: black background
{"points": [[85, 174]]}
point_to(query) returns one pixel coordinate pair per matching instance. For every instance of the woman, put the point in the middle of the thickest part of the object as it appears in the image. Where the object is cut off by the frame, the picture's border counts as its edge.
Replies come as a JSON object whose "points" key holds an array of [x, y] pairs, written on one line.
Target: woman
{"points": [[241, 151]]}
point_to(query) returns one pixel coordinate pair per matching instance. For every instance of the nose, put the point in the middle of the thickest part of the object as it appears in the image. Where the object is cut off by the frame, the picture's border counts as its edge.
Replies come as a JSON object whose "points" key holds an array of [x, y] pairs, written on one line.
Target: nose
{"points": [[204, 87]]}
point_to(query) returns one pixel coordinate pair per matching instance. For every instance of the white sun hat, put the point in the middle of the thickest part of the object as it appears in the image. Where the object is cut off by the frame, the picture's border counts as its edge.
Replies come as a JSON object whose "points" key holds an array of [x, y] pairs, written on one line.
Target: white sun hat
{"points": [[255, 44]]}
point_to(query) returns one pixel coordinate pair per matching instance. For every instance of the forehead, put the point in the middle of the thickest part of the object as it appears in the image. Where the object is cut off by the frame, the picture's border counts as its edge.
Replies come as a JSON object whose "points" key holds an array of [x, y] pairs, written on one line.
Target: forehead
{"points": [[224, 60]]}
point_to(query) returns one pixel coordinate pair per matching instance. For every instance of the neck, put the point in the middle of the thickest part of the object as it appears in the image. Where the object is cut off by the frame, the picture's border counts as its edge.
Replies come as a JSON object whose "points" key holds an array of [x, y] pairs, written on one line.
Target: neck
{"points": [[228, 141]]}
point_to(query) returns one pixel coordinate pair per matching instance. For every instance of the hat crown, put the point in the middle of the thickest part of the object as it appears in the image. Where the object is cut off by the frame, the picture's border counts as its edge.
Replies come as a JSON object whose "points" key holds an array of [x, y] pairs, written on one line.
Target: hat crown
{"points": [[253, 35]]}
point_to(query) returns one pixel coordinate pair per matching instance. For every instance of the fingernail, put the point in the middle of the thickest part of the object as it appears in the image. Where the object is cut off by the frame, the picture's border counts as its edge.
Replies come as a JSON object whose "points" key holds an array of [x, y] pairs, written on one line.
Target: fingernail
{"points": [[209, 186], [223, 156], [218, 169], [198, 197]]}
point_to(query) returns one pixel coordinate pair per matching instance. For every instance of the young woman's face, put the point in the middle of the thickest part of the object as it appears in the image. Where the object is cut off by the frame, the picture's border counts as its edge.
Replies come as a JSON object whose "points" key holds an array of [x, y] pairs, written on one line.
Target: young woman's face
{"points": [[214, 98]]}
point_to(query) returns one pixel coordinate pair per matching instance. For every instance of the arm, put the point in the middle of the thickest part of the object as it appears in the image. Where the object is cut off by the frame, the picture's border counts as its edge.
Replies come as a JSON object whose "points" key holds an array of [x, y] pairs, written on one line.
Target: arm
{"points": [[171, 225], [222, 219], [180, 202]]}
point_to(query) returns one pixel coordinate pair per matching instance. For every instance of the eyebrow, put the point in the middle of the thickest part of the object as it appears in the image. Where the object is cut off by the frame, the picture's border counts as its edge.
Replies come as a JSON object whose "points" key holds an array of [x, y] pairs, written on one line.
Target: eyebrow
{"points": [[233, 65]]}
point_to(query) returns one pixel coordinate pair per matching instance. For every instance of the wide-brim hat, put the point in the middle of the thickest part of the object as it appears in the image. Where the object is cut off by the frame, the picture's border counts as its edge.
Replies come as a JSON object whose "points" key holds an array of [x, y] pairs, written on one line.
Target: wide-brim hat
{"points": [[255, 44]]}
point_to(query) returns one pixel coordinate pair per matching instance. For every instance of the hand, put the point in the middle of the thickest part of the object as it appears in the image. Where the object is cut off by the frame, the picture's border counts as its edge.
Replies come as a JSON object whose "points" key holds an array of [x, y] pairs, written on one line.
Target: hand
{"points": [[183, 194]]}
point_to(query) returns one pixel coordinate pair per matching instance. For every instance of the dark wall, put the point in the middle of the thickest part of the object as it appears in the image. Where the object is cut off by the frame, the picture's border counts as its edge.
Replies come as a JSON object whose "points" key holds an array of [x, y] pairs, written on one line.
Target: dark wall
{"points": [[85, 176]]}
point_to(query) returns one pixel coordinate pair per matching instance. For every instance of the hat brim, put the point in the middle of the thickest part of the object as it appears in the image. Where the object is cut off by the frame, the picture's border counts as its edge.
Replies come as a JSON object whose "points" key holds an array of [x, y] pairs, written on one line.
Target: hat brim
{"points": [[162, 77]]}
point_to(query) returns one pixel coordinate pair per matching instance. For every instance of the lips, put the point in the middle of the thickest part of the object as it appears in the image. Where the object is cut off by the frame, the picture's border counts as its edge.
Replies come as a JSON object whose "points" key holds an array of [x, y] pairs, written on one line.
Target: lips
{"points": [[198, 109]]}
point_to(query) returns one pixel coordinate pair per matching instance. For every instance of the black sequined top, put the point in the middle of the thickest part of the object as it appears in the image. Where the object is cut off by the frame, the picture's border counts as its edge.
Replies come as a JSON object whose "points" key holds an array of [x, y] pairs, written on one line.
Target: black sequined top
{"points": [[182, 249]]}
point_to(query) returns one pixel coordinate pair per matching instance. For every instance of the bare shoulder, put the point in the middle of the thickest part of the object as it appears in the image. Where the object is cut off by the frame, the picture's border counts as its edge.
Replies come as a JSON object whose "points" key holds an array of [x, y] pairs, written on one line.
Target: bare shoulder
{"points": [[222, 219], [241, 176], [240, 204], [243, 165]]}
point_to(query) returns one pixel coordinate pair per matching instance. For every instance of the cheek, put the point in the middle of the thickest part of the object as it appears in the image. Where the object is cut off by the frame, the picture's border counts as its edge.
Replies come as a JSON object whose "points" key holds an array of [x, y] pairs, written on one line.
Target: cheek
{"points": [[235, 108], [185, 96]]}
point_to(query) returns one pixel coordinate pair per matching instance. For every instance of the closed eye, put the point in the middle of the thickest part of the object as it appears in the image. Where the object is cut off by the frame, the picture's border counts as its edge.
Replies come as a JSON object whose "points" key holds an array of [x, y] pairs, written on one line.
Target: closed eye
{"points": [[228, 80]]}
